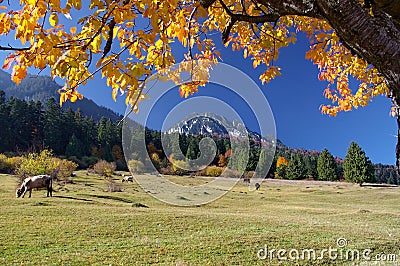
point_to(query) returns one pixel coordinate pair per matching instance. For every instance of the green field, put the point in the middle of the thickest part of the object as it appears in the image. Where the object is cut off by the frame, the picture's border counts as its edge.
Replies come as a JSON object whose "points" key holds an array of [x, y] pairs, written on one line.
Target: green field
{"points": [[83, 224]]}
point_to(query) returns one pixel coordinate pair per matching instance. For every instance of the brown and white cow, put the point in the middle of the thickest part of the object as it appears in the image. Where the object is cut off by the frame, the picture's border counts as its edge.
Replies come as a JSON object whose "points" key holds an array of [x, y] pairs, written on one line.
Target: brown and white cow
{"points": [[39, 181], [127, 179]]}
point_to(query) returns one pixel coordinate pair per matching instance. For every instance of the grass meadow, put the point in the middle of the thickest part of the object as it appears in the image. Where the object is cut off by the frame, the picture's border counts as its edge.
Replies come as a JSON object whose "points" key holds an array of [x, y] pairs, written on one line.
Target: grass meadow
{"points": [[84, 224]]}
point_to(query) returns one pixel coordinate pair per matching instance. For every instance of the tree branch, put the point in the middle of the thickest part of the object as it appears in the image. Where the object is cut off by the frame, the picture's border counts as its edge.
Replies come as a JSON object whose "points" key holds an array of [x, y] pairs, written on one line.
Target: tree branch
{"points": [[248, 18], [227, 30], [10, 48], [206, 3]]}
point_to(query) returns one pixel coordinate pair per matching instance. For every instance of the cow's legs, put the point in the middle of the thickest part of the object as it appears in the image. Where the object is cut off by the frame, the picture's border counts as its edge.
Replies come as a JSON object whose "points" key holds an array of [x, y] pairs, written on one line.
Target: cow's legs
{"points": [[30, 192], [25, 190], [50, 188]]}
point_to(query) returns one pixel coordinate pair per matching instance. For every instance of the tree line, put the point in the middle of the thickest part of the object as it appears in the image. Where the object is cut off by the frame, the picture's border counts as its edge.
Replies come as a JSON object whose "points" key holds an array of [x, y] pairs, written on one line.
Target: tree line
{"points": [[33, 126]]}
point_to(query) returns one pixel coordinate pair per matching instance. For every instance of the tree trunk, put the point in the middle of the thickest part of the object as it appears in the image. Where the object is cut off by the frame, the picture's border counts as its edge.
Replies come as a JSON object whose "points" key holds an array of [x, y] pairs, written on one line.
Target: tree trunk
{"points": [[398, 145]]}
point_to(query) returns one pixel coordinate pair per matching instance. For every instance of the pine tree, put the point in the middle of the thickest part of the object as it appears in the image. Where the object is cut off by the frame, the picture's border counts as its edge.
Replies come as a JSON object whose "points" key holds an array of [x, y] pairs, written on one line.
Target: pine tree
{"points": [[5, 124], [54, 129], [19, 124], [296, 168], [326, 166], [393, 178], [74, 147], [264, 163], [357, 167], [192, 150], [36, 125]]}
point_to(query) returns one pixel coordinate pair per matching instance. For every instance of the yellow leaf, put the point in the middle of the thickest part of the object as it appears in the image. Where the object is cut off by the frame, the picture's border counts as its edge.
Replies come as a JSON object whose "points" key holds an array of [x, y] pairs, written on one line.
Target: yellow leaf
{"points": [[201, 11], [53, 19], [18, 73], [40, 62], [114, 94], [77, 4], [129, 24], [73, 30], [63, 98], [159, 44], [96, 43], [73, 63], [73, 98]]}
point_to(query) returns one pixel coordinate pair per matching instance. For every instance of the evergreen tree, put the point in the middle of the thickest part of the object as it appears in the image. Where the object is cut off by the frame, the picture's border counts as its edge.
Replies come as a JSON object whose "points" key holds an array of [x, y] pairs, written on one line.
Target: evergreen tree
{"points": [[109, 140], [54, 129], [281, 171], [393, 178], [310, 162], [264, 162], [296, 168], [184, 146], [74, 147], [5, 124], [102, 137], [192, 150], [326, 166], [357, 167], [36, 125]]}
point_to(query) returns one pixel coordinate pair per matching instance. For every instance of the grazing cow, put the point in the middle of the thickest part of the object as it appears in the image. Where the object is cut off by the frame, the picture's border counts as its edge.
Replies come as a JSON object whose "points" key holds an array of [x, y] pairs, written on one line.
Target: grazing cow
{"points": [[257, 186], [39, 181], [127, 179]]}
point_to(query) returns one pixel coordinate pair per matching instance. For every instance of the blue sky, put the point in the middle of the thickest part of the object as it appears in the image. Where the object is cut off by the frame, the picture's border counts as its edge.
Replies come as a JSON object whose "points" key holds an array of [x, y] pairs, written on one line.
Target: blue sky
{"points": [[294, 98]]}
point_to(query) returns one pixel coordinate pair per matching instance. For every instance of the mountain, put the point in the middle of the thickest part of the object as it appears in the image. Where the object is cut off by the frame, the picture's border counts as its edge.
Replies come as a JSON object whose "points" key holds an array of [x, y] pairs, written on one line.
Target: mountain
{"points": [[41, 88], [210, 124]]}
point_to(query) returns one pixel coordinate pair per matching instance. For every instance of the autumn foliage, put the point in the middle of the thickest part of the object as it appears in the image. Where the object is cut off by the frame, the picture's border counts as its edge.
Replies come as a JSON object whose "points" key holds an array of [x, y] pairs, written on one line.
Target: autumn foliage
{"points": [[282, 160], [127, 41]]}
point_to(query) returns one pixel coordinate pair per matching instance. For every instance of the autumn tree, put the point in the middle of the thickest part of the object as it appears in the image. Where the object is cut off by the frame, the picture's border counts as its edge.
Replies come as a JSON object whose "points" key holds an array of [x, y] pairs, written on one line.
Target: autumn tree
{"points": [[281, 167], [127, 41], [222, 161]]}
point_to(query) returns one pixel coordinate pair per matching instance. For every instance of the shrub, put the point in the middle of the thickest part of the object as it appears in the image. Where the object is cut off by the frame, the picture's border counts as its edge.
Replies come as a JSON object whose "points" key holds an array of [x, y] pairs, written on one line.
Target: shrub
{"points": [[214, 171], [5, 167], [37, 164], [14, 163], [250, 174], [66, 168], [104, 168], [180, 167], [231, 173], [201, 172], [112, 186], [167, 171], [88, 161], [136, 166], [43, 163]]}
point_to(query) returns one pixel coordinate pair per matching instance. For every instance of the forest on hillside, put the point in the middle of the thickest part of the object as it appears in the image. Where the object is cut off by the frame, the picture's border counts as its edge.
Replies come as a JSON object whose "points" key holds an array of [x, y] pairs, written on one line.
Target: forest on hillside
{"points": [[30, 127]]}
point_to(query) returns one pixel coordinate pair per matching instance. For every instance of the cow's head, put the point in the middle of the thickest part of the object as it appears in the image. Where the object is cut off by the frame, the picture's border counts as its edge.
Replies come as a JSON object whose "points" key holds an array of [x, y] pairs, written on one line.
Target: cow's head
{"points": [[19, 192]]}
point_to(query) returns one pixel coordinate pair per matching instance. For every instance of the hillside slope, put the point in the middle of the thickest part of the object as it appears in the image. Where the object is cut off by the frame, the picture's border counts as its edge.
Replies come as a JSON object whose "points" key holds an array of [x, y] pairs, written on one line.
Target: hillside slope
{"points": [[41, 88]]}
